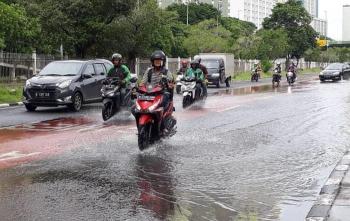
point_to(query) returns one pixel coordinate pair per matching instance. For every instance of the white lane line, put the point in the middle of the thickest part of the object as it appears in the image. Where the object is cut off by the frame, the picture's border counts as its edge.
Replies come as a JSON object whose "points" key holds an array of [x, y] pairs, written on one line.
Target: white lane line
{"points": [[228, 109], [15, 155]]}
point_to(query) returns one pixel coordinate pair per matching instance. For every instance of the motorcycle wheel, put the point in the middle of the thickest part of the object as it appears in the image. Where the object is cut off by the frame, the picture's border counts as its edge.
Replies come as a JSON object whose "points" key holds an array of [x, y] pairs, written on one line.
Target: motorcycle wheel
{"points": [[144, 137], [107, 111], [186, 102], [178, 89]]}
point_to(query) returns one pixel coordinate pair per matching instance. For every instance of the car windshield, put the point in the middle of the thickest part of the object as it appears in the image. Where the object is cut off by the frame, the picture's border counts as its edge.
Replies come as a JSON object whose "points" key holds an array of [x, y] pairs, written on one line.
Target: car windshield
{"points": [[211, 64], [335, 66], [62, 69]]}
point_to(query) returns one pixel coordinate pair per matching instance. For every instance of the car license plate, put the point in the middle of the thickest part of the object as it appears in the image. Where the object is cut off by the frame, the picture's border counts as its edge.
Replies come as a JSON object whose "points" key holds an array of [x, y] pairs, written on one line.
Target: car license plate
{"points": [[146, 98], [40, 94]]}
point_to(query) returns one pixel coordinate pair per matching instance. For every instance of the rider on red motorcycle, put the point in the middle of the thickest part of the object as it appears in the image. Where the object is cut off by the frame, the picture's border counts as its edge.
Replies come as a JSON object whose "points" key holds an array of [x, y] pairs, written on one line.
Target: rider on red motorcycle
{"points": [[159, 75]]}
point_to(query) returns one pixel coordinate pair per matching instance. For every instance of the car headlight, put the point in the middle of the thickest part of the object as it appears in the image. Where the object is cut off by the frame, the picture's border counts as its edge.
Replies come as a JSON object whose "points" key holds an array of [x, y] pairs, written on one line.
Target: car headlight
{"points": [[336, 73], [215, 75], [28, 84], [321, 73], [64, 84]]}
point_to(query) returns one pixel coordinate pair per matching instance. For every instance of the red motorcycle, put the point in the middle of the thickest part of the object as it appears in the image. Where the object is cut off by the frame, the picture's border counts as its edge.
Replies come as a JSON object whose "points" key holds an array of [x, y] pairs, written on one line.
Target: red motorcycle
{"points": [[153, 122]]}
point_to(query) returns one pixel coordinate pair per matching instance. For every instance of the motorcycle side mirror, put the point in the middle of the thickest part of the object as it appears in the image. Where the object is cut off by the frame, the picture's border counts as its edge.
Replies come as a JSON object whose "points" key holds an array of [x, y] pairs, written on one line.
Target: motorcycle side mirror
{"points": [[133, 80]]}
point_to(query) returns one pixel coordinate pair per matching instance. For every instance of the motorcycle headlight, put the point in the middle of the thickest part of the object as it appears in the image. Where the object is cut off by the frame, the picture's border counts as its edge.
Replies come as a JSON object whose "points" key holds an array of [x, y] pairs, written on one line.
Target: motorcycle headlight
{"points": [[64, 84], [154, 106], [215, 75], [28, 84]]}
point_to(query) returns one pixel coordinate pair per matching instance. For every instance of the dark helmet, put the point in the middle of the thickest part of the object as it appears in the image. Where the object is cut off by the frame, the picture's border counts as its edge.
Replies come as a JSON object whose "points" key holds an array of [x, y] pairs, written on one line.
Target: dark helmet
{"points": [[117, 56], [158, 55]]}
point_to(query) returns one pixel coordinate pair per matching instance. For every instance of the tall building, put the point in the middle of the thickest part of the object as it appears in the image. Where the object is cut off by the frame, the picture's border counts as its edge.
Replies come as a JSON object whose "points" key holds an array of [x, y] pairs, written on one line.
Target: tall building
{"points": [[252, 10], [346, 24], [222, 5]]}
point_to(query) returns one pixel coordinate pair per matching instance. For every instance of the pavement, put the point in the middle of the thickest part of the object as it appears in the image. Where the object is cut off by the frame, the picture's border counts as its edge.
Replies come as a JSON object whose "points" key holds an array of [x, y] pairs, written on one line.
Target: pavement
{"points": [[251, 152]]}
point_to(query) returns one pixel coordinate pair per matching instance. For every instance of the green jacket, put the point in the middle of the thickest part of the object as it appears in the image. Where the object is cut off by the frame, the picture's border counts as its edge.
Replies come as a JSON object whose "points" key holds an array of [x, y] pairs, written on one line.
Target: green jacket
{"points": [[198, 73], [122, 72]]}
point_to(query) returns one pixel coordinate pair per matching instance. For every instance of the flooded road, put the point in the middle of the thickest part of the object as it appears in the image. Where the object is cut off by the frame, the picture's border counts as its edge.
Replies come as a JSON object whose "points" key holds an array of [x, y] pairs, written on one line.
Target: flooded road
{"points": [[256, 153]]}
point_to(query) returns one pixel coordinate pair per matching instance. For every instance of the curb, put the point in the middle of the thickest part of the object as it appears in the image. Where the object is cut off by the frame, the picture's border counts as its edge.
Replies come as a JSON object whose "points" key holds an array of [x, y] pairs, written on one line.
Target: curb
{"points": [[329, 192], [3, 106]]}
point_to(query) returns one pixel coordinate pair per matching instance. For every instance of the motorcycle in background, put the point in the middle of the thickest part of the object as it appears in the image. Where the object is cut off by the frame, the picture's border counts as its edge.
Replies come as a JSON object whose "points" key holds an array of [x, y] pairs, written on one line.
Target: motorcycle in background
{"points": [[114, 97]]}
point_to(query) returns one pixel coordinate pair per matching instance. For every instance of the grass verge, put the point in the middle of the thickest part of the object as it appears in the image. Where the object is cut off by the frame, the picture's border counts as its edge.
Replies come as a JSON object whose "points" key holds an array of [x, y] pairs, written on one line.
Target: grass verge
{"points": [[246, 76], [10, 93]]}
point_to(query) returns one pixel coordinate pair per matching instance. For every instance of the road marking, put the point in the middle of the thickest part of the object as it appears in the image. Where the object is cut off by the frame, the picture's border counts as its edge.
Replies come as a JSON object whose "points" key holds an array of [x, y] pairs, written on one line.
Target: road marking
{"points": [[228, 109], [15, 155]]}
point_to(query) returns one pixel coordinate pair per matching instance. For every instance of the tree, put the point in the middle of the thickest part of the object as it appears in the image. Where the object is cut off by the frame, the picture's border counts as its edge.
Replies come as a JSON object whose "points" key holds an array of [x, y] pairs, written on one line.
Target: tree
{"points": [[295, 20], [139, 33], [237, 27], [18, 31], [77, 24], [196, 12], [207, 37], [271, 44]]}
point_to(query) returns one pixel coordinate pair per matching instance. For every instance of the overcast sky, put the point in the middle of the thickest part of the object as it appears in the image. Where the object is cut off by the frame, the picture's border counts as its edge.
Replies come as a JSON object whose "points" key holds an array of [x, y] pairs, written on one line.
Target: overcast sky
{"points": [[334, 10]]}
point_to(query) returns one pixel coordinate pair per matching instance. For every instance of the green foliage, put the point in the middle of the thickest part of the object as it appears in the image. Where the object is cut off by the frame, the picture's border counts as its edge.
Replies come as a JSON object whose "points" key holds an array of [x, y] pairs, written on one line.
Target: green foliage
{"points": [[142, 31], [271, 44], [10, 94], [295, 20], [196, 12], [207, 37], [77, 24], [237, 27], [18, 31], [329, 55], [266, 65]]}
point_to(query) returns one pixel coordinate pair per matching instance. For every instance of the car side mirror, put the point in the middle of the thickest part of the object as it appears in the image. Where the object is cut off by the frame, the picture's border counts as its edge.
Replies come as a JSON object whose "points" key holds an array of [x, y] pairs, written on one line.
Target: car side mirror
{"points": [[87, 76]]}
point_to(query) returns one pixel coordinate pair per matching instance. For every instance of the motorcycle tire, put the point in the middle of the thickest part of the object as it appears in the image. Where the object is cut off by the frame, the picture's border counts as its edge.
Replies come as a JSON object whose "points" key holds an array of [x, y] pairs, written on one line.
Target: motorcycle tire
{"points": [[178, 89], [107, 111], [144, 138], [186, 102]]}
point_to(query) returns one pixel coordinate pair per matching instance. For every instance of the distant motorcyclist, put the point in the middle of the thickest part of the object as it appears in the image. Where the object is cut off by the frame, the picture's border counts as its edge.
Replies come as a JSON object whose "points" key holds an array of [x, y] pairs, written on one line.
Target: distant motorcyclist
{"points": [[257, 68], [293, 68], [202, 67], [197, 71], [119, 71], [278, 69], [184, 67], [158, 74]]}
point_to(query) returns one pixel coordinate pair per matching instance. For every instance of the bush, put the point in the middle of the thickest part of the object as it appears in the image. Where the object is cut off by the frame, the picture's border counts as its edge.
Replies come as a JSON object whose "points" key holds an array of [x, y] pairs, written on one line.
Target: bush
{"points": [[266, 66]]}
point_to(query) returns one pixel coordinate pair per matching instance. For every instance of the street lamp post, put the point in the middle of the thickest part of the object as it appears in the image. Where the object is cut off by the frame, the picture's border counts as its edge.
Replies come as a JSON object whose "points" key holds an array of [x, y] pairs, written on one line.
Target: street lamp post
{"points": [[187, 11]]}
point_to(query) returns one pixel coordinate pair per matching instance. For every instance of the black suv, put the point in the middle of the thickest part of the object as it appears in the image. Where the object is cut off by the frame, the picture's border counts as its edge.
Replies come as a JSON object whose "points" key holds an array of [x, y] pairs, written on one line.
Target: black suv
{"points": [[70, 83]]}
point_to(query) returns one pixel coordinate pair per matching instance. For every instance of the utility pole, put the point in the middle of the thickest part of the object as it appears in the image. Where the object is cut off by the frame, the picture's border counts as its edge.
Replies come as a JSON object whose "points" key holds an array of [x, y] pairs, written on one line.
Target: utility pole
{"points": [[187, 11]]}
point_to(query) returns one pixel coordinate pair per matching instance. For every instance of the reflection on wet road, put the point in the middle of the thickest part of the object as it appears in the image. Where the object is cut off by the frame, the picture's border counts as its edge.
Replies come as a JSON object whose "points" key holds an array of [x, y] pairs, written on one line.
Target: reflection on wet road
{"points": [[257, 153]]}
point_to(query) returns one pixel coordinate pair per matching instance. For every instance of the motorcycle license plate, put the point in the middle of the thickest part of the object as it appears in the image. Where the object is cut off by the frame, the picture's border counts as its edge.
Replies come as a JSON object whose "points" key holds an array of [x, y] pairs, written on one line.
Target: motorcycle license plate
{"points": [[40, 94], [146, 98]]}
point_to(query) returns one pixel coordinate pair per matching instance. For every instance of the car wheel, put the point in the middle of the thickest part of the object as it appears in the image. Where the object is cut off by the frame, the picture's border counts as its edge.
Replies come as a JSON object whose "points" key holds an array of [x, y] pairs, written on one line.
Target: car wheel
{"points": [[30, 107], [77, 102], [218, 84]]}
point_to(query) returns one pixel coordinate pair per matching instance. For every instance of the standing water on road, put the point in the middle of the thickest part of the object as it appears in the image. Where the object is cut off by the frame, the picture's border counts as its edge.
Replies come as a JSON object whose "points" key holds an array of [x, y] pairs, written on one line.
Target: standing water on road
{"points": [[257, 156]]}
